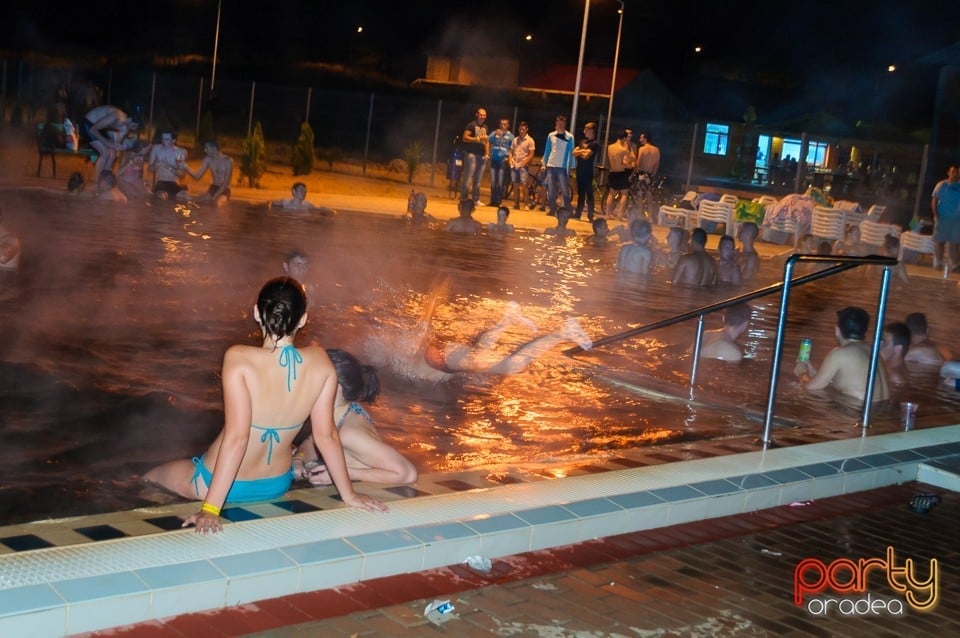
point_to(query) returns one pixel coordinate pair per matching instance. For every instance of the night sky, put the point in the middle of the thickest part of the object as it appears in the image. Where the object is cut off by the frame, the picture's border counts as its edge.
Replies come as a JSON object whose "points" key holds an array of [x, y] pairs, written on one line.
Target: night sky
{"points": [[798, 38]]}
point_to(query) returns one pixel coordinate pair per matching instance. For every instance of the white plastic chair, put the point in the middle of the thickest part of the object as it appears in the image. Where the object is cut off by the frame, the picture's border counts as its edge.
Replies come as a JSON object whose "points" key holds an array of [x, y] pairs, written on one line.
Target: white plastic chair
{"points": [[875, 212], [782, 225], [875, 234], [729, 199], [673, 216], [916, 242], [827, 223], [719, 212]]}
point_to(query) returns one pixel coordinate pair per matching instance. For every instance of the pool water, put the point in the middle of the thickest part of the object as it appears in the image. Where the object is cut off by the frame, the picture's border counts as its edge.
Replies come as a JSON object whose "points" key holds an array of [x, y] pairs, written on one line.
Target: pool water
{"points": [[112, 346]]}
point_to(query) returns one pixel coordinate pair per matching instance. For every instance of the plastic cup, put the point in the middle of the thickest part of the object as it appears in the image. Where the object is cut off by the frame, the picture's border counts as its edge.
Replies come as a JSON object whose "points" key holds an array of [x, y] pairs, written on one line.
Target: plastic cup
{"points": [[908, 412]]}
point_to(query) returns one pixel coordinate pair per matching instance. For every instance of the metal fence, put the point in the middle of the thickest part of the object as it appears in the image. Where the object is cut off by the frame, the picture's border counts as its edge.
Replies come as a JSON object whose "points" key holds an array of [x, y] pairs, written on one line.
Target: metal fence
{"points": [[380, 126]]}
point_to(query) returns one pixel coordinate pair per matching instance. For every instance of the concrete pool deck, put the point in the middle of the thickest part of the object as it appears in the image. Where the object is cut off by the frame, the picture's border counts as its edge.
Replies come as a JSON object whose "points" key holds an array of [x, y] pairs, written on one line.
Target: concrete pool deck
{"points": [[264, 555]]}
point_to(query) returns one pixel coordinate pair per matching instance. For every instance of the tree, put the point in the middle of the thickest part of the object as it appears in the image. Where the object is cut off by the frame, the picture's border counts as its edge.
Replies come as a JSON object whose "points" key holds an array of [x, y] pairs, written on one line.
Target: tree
{"points": [[303, 151], [253, 161]]}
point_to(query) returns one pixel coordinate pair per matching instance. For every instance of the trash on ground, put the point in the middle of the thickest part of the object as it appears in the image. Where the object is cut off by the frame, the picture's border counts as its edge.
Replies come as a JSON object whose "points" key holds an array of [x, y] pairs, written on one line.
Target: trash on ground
{"points": [[770, 552], [479, 563], [439, 611], [922, 503], [800, 503]]}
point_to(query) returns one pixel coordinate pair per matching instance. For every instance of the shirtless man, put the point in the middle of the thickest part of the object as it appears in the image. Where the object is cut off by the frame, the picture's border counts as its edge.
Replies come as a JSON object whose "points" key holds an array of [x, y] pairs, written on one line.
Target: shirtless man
{"points": [[648, 165], [722, 343], [500, 226], [678, 242], [922, 350], [221, 171], [168, 163], [465, 224], [297, 200], [749, 257], [696, 268], [105, 128], [846, 367], [417, 207], [564, 213], [893, 347], [728, 267], [635, 257]]}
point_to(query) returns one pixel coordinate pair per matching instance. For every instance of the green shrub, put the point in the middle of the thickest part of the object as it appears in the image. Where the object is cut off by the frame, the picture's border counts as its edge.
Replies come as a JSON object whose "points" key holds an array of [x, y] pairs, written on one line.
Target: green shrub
{"points": [[253, 160], [303, 151]]}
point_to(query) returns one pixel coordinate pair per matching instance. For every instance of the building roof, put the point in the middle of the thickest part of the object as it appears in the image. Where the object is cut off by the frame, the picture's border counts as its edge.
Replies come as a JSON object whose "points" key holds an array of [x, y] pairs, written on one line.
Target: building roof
{"points": [[594, 79]]}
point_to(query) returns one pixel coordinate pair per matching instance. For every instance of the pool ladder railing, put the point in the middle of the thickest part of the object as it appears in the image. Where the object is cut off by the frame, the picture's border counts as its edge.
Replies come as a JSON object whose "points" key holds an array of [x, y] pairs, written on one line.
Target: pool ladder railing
{"points": [[839, 263]]}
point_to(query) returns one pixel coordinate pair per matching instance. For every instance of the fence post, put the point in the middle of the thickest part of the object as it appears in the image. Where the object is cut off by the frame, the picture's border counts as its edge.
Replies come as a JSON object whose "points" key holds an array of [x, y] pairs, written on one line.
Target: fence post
{"points": [[3, 96], [153, 93], [253, 92], [801, 162], [199, 110], [110, 85], [693, 149], [306, 117], [921, 181], [366, 144], [436, 141]]}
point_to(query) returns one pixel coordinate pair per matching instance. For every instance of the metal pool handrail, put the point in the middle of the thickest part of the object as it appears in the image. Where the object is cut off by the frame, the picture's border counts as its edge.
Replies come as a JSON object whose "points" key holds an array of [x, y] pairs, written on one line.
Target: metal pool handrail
{"points": [[840, 264]]}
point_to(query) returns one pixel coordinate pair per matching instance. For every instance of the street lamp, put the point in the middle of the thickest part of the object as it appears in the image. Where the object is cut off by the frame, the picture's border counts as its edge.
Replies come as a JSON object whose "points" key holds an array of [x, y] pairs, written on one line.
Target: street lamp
{"points": [[216, 43], [583, 44], [613, 85]]}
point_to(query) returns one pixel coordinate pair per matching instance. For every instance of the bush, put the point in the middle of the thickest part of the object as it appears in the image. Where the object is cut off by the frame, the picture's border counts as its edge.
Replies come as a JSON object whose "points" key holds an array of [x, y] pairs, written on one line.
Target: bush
{"points": [[303, 151], [411, 154], [253, 161]]}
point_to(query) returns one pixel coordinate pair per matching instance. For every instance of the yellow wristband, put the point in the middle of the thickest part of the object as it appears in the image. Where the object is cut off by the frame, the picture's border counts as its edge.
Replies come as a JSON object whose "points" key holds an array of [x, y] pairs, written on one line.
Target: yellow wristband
{"points": [[210, 509]]}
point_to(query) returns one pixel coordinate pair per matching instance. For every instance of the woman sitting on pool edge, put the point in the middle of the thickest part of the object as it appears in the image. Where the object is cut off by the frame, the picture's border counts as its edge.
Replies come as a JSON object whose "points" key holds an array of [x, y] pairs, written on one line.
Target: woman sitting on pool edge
{"points": [[368, 457], [268, 393]]}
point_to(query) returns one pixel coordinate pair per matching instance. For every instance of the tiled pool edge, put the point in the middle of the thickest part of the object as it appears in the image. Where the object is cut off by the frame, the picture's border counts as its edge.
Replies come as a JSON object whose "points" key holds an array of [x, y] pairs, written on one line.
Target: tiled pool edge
{"points": [[65, 590]]}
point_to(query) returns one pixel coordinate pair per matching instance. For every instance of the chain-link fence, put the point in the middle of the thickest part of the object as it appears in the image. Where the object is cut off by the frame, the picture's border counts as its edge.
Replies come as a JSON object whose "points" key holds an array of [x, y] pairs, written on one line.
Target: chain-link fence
{"points": [[386, 125]]}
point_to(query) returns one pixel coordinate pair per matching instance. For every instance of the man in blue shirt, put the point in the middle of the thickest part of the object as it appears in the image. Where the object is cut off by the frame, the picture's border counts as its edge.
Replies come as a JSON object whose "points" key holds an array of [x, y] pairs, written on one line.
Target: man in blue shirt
{"points": [[558, 161], [500, 141], [945, 205]]}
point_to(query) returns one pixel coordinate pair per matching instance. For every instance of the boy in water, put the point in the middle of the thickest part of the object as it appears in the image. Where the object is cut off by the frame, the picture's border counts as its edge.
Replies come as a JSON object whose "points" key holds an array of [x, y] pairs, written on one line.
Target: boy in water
{"points": [[635, 257], [846, 367], [722, 343]]}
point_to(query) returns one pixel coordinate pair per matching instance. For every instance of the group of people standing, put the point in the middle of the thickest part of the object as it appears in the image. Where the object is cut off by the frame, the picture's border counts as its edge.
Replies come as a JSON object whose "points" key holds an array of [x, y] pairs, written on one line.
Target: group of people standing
{"points": [[509, 157]]}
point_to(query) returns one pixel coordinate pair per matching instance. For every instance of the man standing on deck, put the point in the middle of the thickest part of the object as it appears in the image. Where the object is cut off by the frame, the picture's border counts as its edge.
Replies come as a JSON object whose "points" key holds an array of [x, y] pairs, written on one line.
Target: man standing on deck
{"points": [[945, 205], [558, 161], [476, 153]]}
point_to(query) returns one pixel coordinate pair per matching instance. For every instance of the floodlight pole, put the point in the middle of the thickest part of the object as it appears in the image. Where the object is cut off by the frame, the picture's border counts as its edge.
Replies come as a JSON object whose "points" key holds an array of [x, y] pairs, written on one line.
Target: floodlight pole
{"points": [[216, 44], [576, 88], [613, 85]]}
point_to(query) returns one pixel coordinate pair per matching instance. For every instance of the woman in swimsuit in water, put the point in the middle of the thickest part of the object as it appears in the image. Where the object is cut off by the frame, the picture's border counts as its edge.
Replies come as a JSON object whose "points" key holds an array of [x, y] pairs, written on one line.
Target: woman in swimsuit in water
{"points": [[268, 392], [369, 458]]}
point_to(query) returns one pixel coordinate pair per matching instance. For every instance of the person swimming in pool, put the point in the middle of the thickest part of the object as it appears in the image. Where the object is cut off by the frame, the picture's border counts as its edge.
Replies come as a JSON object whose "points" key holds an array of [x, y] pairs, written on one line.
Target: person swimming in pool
{"points": [[269, 390], [369, 458], [439, 361]]}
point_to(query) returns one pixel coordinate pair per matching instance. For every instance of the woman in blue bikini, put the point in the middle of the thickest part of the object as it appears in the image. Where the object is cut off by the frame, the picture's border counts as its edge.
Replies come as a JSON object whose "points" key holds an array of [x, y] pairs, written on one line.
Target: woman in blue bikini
{"points": [[268, 393]]}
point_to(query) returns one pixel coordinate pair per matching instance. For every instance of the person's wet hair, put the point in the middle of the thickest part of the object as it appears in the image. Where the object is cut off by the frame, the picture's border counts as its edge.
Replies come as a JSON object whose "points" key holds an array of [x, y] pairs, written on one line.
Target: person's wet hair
{"points": [[917, 323], [699, 237], [853, 323], [598, 223], [737, 314], [899, 334], [640, 229], [281, 303], [359, 382]]}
